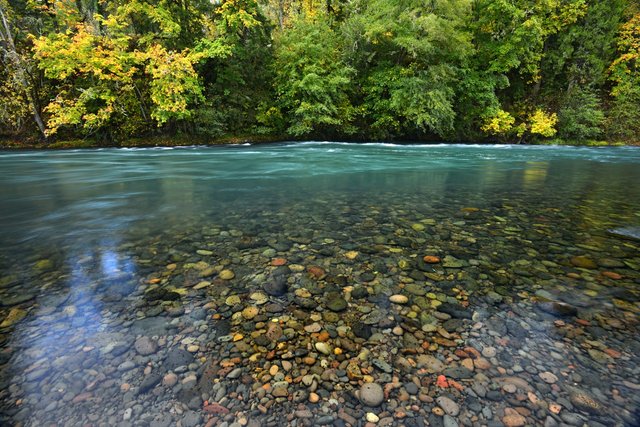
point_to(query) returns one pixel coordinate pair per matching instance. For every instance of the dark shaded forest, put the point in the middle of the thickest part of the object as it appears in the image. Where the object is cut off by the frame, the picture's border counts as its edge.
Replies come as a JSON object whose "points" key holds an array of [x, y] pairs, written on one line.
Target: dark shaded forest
{"points": [[445, 70]]}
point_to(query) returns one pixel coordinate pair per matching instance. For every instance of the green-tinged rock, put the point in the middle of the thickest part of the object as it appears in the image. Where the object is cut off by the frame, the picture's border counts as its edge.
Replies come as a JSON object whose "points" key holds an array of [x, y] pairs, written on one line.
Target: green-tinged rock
{"points": [[335, 302], [15, 315], [259, 298], [204, 252], [16, 299], [202, 285], [250, 312], [418, 227], [403, 264], [330, 317], [8, 280], [232, 300], [227, 275], [584, 262], [452, 262], [323, 348], [44, 265], [415, 289]]}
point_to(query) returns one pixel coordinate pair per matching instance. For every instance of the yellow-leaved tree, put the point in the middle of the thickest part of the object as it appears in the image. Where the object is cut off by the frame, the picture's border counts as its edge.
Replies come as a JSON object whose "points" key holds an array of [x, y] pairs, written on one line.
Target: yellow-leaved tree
{"points": [[124, 67]]}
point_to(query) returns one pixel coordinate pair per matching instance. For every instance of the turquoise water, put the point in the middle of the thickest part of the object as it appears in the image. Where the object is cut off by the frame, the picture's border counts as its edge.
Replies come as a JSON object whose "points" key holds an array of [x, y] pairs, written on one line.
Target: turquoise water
{"points": [[86, 235]]}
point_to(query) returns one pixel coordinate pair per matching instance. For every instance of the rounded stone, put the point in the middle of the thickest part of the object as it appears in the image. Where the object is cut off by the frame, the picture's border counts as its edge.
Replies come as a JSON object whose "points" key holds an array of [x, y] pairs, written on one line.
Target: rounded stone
{"points": [[449, 406], [227, 275], [145, 346], [548, 377], [323, 348], [170, 380], [335, 302], [398, 299], [371, 394], [250, 312], [259, 298], [232, 300]]}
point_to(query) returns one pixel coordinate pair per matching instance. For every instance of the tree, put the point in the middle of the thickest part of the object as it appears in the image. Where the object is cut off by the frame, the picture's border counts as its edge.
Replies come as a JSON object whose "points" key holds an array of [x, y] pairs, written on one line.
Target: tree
{"points": [[311, 80], [511, 39], [624, 115], [18, 76], [123, 69], [408, 55]]}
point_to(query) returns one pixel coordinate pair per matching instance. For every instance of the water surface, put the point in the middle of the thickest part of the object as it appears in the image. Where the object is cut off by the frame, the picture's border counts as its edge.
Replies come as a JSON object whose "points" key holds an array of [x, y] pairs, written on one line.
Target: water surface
{"points": [[111, 284]]}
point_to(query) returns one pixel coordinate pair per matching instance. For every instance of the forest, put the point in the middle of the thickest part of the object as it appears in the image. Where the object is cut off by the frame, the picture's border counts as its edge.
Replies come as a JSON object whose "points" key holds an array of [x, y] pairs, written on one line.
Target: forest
{"points": [[516, 71]]}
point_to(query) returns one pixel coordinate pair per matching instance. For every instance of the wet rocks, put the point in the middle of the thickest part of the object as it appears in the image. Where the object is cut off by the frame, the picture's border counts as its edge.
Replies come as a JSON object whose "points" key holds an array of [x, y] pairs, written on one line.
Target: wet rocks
{"points": [[226, 275], [559, 309], [323, 348], [337, 321], [10, 301], [249, 312], [361, 330], [585, 402], [145, 346], [399, 299], [448, 405], [149, 382], [15, 315], [584, 262], [548, 377], [277, 286], [513, 419], [371, 394], [454, 310], [177, 357], [335, 302], [631, 233]]}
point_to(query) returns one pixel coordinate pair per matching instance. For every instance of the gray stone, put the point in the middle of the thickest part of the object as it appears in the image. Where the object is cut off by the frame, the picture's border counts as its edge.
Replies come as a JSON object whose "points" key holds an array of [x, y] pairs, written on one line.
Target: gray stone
{"points": [[145, 346], [149, 382], [371, 394], [277, 286], [449, 421], [449, 406], [335, 302], [177, 357], [632, 233], [191, 419]]}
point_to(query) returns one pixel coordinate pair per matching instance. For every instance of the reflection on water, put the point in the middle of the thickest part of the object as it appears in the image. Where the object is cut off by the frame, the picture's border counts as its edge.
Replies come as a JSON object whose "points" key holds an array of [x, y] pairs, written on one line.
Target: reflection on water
{"points": [[98, 248]]}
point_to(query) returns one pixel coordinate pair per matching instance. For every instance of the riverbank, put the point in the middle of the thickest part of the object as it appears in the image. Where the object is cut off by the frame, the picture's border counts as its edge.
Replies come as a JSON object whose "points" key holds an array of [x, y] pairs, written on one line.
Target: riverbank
{"points": [[191, 140]]}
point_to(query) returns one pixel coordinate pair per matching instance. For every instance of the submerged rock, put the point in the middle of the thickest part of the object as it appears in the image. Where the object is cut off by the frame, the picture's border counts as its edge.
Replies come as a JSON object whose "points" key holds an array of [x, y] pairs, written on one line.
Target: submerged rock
{"points": [[277, 286], [371, 394], [335, 302], [559, 309], [14, 316], [584, 262], [632, 233]]}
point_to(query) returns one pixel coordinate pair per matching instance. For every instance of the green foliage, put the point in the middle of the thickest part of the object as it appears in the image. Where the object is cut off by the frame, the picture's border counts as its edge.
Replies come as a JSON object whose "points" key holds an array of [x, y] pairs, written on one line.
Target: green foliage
{"points": [[470, 70], [311, 80], [236, 84], [581, 116], [624, 115], [409, 55]]}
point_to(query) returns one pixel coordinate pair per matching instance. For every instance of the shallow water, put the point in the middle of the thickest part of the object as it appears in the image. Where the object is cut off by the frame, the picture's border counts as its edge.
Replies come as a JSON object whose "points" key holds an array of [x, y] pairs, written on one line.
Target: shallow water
{"points": [[531, 306]]}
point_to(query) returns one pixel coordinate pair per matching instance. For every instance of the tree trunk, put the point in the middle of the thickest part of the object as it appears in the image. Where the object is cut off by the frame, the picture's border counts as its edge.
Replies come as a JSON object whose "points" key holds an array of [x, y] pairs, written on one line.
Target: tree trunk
{"points": [[21, 72], [281, 13]]}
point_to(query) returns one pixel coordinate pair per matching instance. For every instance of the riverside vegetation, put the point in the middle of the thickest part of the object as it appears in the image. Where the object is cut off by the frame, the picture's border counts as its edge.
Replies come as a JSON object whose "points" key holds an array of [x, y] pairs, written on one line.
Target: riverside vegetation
{"points": [[200, 70]]}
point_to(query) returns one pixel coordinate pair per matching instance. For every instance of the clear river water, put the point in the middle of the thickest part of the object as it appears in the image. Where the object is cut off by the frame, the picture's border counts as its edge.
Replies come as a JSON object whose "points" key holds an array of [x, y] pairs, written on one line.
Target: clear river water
{"points": [[320, 283]]}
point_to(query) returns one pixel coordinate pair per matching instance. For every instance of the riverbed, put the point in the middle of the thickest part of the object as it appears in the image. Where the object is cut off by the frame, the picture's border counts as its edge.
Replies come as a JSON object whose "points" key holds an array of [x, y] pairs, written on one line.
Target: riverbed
{"points": [[320, 284]]}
